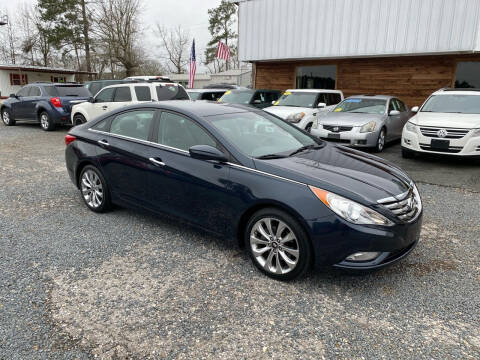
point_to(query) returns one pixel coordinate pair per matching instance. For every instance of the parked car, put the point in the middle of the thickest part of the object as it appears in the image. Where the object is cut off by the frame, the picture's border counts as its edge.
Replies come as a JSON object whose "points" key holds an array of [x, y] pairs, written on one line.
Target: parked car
{"points": [[49, 104], [365, 121], [292, 199], [116, 96], [258, 98], [447, 123], [206, 94], [96, 85], [302, 107], [224, 86], [149, 78]]}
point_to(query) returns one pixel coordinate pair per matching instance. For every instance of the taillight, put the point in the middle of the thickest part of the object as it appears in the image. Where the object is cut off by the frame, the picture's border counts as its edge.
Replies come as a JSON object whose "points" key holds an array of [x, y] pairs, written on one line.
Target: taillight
{"points": [[56, 102], [69, 139]]}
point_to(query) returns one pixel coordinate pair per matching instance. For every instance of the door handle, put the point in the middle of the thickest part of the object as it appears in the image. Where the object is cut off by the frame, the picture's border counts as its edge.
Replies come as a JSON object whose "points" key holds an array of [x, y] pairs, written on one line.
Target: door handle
{"points": [[156, 162], [103, 142], [104, 107]]}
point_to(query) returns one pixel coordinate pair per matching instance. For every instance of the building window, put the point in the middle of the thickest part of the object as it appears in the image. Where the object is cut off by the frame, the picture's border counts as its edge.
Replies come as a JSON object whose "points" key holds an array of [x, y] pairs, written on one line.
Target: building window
{"points": [[316, 77], [15, 79], [58, 79], [468, 74]]}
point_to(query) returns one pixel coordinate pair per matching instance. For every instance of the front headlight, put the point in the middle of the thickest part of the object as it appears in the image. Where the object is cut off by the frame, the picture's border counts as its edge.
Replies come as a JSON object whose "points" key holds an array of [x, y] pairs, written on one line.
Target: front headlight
{"points": [[295, 118], [350, 210], [410, 126], [368, 127]]}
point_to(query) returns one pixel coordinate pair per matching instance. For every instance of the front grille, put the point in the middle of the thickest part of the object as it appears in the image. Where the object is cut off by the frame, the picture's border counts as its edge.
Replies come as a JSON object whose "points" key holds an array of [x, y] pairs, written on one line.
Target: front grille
{"points": [[342, 141], [406, 206], [451, 133], [451, 149], [335, 128]]}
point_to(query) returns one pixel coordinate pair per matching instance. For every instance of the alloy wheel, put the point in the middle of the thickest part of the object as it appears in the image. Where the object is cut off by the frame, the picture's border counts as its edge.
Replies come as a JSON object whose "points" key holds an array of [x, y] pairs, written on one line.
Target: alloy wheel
{"points": [[381, 140], [44, 121], [274, 246], [6, 117], [92, 189]]}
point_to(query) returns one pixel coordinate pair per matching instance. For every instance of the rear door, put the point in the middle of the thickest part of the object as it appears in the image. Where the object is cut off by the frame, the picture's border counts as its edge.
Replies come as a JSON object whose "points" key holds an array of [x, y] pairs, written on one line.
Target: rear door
{"points": [[124, 153], [30, 101]]}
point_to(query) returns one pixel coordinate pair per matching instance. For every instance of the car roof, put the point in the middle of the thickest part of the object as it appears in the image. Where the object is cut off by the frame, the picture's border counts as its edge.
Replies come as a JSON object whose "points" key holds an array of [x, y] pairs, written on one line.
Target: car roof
{"points": [[143, 83], [379, 97], [195, 108], [461, 91], [315, 90], [205, 90]]}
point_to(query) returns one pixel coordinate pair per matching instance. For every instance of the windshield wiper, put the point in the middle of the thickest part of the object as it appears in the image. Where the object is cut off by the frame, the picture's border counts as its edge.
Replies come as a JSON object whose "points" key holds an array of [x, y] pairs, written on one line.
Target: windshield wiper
{"points": [[306, 147], [271, 156]]}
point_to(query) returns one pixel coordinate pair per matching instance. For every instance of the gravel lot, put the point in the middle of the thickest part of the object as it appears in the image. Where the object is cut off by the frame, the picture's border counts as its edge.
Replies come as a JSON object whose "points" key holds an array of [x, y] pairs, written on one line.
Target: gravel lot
{"points": [[75, 285]]}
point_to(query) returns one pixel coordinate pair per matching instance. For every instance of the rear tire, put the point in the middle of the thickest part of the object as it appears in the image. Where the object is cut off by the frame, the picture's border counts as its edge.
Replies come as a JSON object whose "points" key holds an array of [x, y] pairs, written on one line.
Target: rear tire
{"points": [[46, 122], [407, 154], [79, 119], [94, 189], [278, 245], [7, 118]]}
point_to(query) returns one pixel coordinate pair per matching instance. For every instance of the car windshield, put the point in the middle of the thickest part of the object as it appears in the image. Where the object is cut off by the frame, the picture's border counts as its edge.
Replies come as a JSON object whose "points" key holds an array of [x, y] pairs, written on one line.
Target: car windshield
{"points": [[78, 91], [462, 104], [194, 95], [361, 105], [258, 134], [236, 97], [300, 99]]}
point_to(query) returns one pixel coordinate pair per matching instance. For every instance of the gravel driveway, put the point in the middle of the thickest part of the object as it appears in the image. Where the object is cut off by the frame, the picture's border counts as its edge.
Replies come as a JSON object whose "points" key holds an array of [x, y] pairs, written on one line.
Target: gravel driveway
{"points": [[75, 285]]}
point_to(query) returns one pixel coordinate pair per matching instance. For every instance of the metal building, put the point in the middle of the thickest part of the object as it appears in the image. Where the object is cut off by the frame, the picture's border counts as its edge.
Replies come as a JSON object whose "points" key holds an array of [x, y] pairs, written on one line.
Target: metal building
{"points": [[406, 48]]}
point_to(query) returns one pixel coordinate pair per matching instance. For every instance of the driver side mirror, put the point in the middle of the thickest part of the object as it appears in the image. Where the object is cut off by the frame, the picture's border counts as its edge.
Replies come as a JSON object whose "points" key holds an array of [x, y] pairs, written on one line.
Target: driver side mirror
{"points": [[91, 99], [394, 112], [207, 152], [415, 109], [321, 105]]}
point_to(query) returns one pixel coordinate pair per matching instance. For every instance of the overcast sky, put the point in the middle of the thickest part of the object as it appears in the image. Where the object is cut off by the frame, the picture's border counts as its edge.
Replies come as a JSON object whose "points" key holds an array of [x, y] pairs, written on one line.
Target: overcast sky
{"points": [[191, 14]]}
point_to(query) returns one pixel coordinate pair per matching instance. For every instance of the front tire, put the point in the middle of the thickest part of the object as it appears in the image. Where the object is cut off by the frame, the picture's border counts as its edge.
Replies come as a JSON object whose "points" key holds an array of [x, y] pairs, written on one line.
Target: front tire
{"points": [[46, 122], [278, 245], [95, 191], [7, 118], [79, 119], [381, 140], [308, 128]]}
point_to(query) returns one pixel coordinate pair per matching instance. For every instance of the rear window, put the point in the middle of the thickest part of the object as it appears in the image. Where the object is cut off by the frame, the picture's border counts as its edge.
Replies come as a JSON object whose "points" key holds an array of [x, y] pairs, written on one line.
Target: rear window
{"points": [[77, 91], [171, 92], [51, 90]]}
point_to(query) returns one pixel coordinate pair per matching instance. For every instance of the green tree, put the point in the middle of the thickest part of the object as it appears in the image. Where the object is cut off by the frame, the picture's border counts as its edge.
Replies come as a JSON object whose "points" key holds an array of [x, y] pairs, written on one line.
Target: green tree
{"points": [[222, 20]]}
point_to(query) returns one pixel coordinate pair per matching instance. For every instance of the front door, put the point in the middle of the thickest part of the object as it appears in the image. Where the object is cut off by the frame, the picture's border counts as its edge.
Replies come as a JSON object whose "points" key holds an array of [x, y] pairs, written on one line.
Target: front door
{"points": [[19, 106], [193, 189], [101, 103], [30, 102]]}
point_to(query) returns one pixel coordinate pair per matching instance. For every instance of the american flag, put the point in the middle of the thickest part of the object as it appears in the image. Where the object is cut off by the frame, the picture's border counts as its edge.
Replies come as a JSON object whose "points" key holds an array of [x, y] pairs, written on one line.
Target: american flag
{"points": [[223, 52], [193, 66]]}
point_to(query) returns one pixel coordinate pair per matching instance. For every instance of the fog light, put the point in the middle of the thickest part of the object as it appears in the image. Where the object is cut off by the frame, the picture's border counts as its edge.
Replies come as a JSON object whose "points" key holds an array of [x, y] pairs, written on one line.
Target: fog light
{"points": [[363, 256]]}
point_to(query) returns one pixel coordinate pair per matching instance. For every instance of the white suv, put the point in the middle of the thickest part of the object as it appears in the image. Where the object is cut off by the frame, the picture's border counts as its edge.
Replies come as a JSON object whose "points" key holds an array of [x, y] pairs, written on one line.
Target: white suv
{"points": [[447, 123], [302, 107], [115, 96]]}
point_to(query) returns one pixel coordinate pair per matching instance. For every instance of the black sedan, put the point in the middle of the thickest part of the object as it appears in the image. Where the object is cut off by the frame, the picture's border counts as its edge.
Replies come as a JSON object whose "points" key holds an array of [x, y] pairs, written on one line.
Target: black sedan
{"points": [[292, 200]]}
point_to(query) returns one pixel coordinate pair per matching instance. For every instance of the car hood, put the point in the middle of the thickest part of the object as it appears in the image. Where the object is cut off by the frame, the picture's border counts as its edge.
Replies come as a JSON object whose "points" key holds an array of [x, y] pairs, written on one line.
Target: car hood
{"points": [[349, 119], [353, 174], [284, 111], [448, 120]]}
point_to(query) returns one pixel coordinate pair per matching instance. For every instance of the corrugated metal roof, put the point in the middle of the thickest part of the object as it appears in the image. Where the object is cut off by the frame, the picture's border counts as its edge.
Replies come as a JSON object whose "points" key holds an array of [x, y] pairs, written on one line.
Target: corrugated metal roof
{"points": [[287, 29]]}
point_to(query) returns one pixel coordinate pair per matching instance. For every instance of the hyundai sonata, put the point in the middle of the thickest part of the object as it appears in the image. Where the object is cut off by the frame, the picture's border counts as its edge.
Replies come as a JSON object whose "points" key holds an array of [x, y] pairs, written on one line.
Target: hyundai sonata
{"points": [[291, 199]]}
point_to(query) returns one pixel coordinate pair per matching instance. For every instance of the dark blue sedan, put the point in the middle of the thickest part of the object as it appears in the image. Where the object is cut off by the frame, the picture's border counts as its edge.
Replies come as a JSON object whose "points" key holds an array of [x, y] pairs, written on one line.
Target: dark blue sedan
{"points": [[292, 200]]}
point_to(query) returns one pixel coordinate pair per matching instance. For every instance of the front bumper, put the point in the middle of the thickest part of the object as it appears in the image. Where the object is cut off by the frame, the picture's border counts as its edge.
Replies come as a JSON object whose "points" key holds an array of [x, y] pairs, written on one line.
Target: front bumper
{"points": [[349, 138], [334, 241], [468, 145]]}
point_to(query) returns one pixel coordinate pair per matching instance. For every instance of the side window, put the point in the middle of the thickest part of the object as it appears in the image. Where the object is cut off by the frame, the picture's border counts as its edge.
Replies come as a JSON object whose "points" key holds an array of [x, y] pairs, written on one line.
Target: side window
{"points": [[51, 90], [34, 91], [182, 133], [334, 98], [101, 126], [323, 98], [122, 94], [23, 91], [259, 98], [134, 124], [402, 107], [143, 93], [105, 95], [393, 105]]}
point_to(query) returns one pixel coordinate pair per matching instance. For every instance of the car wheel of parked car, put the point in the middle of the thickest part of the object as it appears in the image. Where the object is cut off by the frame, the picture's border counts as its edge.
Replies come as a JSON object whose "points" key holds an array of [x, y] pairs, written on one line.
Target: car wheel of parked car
{"points": [[79, 119], [308, 128], [381, 140], [407, 154], [277, 244], [94, 189], [7, 119], [46, 122]]}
